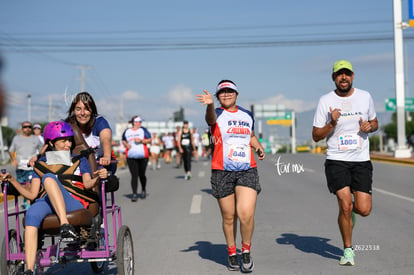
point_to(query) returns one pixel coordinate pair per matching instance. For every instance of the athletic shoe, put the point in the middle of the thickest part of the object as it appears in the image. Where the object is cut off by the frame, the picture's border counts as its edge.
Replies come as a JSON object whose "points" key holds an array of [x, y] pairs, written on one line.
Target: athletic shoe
{"points": [[67, 232], [348, 258], [143, 194], [233, 263], [134, 197], [247, 262]]}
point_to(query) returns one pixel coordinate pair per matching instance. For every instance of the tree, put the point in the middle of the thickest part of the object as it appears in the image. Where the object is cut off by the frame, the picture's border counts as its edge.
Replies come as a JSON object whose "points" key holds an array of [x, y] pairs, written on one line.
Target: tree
{"points": [[8, 134], [390, 129]]}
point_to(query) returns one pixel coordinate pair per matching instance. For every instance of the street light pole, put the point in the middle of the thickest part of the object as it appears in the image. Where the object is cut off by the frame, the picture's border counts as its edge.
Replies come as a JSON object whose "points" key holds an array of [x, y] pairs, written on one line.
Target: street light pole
{"points": [[402, 150], [29, 107]]}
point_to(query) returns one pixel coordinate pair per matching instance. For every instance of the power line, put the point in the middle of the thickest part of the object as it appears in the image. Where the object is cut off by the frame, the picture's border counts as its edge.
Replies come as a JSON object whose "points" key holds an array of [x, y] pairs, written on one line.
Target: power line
{"points": [[216, 28], [205, 45]]}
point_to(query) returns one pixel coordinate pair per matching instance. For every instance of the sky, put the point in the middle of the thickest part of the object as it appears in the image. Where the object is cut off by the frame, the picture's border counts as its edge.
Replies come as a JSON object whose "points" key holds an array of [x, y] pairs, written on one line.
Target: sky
{"points": [[150, 58]]}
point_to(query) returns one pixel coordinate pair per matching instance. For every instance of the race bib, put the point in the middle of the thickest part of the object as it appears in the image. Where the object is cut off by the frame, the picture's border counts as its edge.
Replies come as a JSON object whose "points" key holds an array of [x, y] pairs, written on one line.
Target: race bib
{"points": [[349, 142], [23, 164], [185, 142], [239, 153]]}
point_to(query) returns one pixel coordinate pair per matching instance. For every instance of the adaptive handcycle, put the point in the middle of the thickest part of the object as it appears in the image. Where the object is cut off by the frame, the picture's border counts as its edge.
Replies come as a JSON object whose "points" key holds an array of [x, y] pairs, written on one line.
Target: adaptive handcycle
{"points": [[102, 236]]}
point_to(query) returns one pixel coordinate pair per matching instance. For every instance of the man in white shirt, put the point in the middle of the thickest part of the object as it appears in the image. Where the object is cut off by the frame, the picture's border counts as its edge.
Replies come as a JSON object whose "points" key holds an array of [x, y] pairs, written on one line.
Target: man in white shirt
{"points": [[345, 117]]}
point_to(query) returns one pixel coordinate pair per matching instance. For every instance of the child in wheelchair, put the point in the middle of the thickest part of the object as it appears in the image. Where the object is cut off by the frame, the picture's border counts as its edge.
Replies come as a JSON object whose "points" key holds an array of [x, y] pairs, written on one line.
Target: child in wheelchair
{"points": [[61, 183]]}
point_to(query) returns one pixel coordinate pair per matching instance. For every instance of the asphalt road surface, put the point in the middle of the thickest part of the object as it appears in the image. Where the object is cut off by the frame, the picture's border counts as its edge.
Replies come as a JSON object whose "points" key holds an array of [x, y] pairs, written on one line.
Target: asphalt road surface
{"points": [[177, 228]]}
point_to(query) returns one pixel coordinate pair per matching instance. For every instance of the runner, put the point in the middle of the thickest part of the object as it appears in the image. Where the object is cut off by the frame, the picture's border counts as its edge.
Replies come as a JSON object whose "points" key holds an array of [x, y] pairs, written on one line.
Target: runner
{"points": [[95, 128], [136, 140], [345, 117], [178, 160], [37, 131], [24, 147], [205, 140], [197, 143], [234, 176], [155, 150], [186, 148], [168, 141]]}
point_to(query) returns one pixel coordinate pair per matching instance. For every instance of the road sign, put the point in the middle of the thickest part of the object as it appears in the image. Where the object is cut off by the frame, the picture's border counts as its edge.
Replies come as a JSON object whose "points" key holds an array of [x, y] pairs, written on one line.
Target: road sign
{"points": [[268, 110], [391, 104], [283, 122], [411, 13], [283, 118]]}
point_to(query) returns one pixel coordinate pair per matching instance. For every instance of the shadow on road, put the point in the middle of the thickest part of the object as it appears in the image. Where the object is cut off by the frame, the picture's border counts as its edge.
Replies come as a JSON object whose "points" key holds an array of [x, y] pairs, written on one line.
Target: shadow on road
{"points": [[207, 190], [213, 252], [311, 244]]}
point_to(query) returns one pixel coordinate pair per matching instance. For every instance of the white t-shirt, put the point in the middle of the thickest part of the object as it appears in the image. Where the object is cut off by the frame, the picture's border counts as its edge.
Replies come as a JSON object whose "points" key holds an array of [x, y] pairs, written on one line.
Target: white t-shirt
{"points": [[168, 141], [346, 142]]}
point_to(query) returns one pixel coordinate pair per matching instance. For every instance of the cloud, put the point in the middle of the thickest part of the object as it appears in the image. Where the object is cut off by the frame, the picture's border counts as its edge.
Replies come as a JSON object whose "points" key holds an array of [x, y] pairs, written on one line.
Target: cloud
{"points": [[181, 95], [374, 58], [130, 95], [297, 105]]}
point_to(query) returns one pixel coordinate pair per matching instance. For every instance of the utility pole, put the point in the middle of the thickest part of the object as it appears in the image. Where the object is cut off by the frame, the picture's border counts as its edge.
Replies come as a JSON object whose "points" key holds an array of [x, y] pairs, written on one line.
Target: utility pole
{"points": [[293, 138], [83, 78], [29, 107], [121, 109], [402, 151], [50, 108]]}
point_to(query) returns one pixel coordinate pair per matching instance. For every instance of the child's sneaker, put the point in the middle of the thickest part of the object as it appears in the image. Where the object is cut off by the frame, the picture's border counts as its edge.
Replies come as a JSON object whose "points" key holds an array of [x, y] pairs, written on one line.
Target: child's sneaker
{"points": [[233, 264], [67, 232], [348, 258], [247, 264]]}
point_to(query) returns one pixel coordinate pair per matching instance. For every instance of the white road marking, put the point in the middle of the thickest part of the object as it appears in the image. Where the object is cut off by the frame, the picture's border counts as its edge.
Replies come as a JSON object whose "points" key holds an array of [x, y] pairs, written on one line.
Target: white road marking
{"points": [[196, 205], [393, 194]]}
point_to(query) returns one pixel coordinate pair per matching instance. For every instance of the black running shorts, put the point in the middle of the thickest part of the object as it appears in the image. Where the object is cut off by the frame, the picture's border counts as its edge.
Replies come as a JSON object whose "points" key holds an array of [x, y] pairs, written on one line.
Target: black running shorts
{"points": [[356, 175], [223, 183]]}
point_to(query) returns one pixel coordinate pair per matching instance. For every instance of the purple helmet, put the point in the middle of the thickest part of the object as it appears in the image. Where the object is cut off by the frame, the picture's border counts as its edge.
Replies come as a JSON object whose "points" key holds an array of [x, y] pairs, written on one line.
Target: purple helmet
{"points": [[57, 129]]}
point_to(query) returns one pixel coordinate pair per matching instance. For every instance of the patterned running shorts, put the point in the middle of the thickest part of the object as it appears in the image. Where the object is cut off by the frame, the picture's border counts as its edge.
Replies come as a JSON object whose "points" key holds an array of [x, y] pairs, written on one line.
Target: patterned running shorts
{"points": [[223, 183]]}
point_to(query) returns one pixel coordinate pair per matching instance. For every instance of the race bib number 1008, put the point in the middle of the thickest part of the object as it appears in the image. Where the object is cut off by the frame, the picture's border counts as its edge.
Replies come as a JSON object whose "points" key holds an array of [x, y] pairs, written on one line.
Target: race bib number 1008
{"points": [[349, 142]]}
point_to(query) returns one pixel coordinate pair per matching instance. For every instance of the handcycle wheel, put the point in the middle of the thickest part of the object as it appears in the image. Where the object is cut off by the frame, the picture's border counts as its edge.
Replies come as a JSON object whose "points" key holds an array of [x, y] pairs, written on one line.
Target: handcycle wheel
{"points": [[98, 267], [8, 267], [125, 251]]}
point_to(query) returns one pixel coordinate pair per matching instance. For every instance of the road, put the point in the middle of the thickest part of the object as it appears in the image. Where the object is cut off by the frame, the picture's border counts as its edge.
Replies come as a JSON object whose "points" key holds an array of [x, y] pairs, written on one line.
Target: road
{"points": [[177, 228]]}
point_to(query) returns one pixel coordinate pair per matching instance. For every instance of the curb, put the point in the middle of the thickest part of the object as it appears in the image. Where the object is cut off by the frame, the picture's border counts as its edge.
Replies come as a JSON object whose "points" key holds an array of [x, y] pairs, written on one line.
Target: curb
{"points": [[375, 157]]}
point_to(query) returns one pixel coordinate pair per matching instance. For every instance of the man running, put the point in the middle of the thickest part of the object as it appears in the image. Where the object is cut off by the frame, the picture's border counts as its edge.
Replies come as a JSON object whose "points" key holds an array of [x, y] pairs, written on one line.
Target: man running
{"points": [[345, 117]]}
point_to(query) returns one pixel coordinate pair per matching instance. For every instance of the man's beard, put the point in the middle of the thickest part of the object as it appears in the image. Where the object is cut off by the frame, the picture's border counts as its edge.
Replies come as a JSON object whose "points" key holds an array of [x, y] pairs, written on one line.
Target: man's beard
{"points": [[344, 91]]}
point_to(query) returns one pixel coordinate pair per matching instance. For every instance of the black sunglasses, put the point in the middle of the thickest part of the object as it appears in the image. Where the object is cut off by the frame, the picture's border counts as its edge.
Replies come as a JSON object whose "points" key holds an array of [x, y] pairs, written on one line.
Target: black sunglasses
{"points": [[346, 72], [27, 126]]}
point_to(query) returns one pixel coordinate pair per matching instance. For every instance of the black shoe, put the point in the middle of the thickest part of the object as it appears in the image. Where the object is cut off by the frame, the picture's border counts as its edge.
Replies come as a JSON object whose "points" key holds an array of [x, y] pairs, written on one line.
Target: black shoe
{"points": [[247, 264], [67, 232], [134, 197], [233, 264], [143, 194]]}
